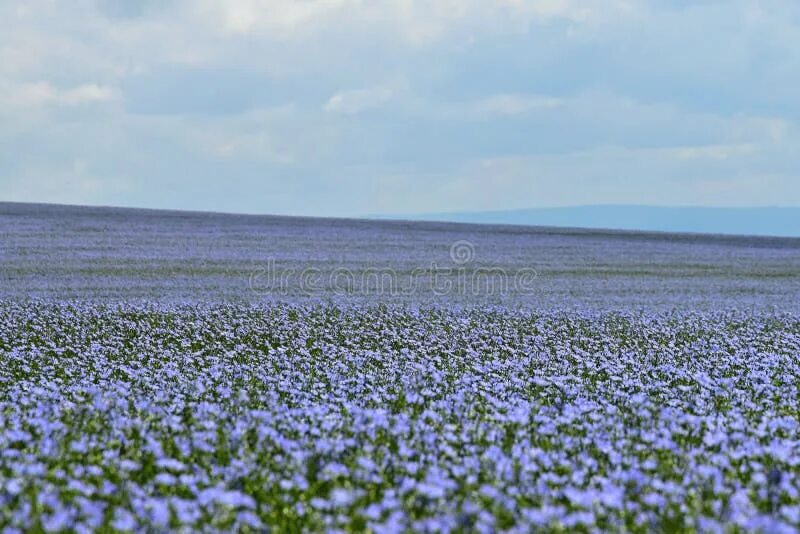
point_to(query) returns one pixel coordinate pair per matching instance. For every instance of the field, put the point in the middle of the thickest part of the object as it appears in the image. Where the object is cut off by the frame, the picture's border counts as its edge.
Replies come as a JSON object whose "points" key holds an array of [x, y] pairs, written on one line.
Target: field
{"points": [[155, 376]]}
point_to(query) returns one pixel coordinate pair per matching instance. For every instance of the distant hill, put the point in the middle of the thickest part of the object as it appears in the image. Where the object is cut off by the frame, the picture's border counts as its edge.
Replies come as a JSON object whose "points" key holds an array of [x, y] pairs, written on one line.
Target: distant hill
{"points": [[768, 221]]}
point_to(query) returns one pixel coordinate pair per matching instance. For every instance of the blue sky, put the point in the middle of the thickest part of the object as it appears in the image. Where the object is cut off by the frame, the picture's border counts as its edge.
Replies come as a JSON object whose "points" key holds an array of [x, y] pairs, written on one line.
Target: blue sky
{"points": [[347, 107]]}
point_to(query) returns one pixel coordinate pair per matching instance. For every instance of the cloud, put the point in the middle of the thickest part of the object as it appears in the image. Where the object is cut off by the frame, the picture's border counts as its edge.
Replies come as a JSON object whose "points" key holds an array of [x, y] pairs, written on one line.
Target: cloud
{"points": [[342, 107], [416, 22], [79, 95], [44, 93], [718, 152], [359, 100]]}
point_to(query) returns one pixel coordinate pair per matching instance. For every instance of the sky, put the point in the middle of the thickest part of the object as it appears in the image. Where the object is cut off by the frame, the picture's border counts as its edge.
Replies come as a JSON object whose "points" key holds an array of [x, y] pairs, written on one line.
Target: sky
{"points": [[348, 107]]}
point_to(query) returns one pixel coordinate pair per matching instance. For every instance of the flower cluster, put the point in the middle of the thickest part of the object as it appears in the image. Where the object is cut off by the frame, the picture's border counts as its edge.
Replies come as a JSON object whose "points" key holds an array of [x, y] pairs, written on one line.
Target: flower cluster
{"points": [[312, 417]]}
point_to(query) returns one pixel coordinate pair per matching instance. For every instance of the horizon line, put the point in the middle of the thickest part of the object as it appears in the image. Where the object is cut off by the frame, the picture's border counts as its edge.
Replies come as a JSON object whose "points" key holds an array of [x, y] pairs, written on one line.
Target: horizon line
{"points": [[409, 218]]}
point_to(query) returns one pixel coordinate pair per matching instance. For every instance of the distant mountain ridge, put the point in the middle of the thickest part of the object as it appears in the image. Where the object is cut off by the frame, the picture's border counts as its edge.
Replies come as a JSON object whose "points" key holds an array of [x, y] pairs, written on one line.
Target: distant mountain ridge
{"points": [[767, 221]]}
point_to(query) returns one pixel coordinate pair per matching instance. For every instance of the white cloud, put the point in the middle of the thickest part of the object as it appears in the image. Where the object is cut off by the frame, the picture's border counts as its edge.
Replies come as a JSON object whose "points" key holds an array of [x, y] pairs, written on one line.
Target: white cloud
{"points": [[714, 152], [70, 183], [84, 94], [416, 21], [44, 93], [359, 100], [253, 16]]}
